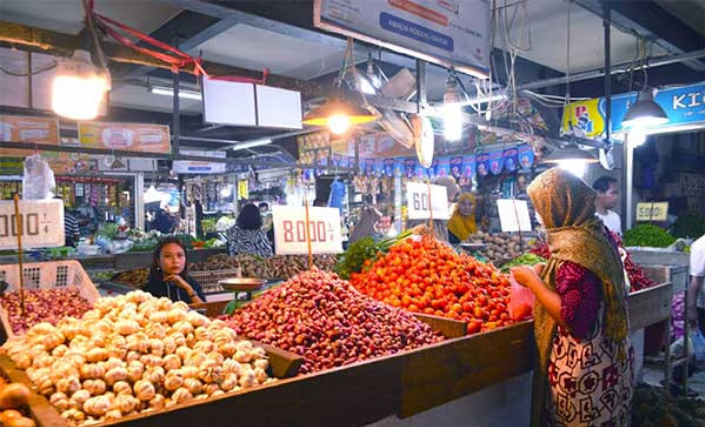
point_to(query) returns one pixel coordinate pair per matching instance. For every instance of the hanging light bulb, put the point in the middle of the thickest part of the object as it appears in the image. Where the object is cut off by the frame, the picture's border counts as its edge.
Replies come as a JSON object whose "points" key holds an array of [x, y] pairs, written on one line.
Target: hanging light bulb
{"points": [[645, 112], [452, 110], [338, 115], [339, 124], [78, 88], [572, 159], [636, 137]]}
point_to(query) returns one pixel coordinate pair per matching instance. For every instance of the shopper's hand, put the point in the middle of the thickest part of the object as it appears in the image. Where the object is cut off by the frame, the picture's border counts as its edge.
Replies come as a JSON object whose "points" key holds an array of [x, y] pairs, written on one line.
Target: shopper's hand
{"points": [[692, 313], [525, 276], [538, 268]]}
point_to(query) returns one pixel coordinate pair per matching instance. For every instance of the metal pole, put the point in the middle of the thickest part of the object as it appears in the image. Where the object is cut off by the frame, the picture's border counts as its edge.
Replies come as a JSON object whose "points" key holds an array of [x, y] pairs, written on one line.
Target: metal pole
{"points": [[176, 106], [139, 200], [421, 85]]}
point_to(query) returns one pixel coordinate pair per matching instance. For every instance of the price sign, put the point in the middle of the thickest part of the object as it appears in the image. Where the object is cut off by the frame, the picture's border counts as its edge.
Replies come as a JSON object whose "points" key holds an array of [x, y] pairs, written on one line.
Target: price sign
{"points": [[652, 211], [514, 215], [417, 201], [42, 224], [290, 230]]}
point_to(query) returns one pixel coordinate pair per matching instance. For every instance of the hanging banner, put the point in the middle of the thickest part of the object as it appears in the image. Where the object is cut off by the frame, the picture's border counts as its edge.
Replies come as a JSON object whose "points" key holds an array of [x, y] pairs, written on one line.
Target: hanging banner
{"points": [[199, 167], [483, 164], [526, 156], [142, 137], [509, 157], [453, 33], [290, 230], [684, 106], [32, 130], [42, 224], [443, 167], [456, 167], [496, 162]]}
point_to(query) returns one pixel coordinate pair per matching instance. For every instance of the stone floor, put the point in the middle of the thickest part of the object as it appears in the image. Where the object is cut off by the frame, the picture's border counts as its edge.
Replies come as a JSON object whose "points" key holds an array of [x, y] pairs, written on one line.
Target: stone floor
{"points": [[653, 375]]}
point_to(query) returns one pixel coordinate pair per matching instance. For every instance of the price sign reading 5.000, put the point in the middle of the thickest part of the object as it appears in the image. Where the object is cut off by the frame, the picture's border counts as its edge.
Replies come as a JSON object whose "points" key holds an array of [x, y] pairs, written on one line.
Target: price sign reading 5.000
{"points": [[42, 224], [290, 230]]}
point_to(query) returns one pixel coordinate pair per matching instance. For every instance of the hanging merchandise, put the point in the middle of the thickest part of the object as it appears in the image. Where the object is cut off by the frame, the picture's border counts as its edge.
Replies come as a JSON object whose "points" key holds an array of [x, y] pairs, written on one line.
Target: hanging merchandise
{"points": [[379, 167], [456, 167], [369, 166], [443, 168], [509, 157], [409, 168], [526, 156], [38, 179], [469, 168], [496, 162], [389, 167], [338, 193], [483, 163]]}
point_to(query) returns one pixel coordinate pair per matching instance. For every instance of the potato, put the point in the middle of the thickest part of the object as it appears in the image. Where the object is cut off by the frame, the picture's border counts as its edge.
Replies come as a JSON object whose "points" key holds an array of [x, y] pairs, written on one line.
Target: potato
{"points": [[20, 422]]}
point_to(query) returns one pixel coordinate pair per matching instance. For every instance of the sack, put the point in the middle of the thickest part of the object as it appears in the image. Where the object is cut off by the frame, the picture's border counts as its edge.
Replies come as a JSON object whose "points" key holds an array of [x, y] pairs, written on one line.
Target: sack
{"points": [[38, 180], [698, 340], [521, 301]]}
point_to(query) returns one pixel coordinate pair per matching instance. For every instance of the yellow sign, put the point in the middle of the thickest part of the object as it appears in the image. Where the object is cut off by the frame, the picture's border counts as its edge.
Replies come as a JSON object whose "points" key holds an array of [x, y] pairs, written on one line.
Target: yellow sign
{"points": [[583, 118], [31, 130], [652, 211], [243, 189], [141, 137]]}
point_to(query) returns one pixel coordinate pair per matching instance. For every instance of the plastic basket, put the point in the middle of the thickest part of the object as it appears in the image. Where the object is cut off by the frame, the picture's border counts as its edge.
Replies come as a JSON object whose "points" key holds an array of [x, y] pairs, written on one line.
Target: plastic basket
{"points": [[209, 279], [46, 275]]}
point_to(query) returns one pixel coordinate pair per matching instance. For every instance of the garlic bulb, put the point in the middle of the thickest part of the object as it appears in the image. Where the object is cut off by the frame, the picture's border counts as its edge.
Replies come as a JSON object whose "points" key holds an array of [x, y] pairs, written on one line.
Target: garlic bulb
{"points": [[97, 406], [158, 402], [193, 385], [122, 387], [113, 415], [144, 390], [74, 415], [171, 361], [80, 397], [174, 379], [125, 403], [114, 375], [181, 395], [95, 387]]}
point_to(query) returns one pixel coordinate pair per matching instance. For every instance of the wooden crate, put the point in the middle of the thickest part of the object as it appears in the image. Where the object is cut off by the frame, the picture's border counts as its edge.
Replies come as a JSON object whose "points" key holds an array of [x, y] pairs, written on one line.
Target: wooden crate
{"points": [[675, 274], [650, 306]]}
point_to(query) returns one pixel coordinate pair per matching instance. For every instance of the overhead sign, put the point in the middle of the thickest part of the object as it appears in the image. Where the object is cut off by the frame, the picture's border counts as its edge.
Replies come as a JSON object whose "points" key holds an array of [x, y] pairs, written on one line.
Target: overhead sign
{"points": [[42, 224], [453, 33], [32, 130], [290, 230], [684, 106], [189, 166], [417, 201], [513, 215], [142, 137], [652, 211]]}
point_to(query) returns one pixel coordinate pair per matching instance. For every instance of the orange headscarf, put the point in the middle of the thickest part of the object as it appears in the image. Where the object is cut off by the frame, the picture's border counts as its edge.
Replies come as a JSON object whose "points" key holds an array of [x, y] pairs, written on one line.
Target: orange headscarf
{"points": [[460, 225]]}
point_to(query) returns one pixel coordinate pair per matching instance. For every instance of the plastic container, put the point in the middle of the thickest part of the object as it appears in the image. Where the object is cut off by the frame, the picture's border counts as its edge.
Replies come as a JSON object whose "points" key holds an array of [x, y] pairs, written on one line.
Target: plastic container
{"points": [[521, 301]]}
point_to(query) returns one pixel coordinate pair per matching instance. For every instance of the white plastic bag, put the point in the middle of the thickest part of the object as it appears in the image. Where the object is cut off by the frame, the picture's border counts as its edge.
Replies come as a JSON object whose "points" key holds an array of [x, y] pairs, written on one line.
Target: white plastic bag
{"points": [[38, 179]]}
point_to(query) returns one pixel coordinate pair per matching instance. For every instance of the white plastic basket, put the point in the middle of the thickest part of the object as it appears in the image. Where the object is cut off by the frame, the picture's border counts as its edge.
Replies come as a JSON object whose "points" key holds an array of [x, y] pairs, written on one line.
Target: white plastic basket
{"points": [[46, 275]]}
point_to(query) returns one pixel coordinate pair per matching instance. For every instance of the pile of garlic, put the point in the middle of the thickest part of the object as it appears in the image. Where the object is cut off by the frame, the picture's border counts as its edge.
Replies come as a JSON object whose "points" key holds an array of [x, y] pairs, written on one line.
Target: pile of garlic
{"points": [[135, 353]]}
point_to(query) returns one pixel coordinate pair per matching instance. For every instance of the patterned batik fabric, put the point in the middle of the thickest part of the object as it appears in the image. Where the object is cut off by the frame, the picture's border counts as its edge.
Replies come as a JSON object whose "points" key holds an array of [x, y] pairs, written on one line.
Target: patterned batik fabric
{"points": [[589, 385]]}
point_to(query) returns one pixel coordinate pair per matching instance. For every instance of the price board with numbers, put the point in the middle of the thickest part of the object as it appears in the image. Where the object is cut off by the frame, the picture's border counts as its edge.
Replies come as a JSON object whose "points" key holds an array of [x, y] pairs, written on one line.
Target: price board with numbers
{"points": [[652, 211], [417, 201], [290, 230], [42, 224]]}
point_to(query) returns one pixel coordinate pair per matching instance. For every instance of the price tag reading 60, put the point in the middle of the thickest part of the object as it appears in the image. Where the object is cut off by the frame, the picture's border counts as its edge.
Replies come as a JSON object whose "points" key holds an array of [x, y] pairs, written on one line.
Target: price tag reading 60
{"points": [[290, 230]]}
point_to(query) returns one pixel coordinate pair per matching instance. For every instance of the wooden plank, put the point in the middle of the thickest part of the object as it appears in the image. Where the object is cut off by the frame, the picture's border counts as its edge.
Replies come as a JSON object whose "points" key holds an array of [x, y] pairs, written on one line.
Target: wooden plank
{"points": [[448, 327], [444, 372], [40, 409], [650, 306], [285, 364]]}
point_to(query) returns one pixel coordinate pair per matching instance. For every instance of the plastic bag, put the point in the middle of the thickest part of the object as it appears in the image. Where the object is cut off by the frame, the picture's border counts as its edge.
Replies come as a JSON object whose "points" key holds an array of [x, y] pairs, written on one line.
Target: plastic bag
{"points": [[698, 340], [38, 179], [521, 301]]}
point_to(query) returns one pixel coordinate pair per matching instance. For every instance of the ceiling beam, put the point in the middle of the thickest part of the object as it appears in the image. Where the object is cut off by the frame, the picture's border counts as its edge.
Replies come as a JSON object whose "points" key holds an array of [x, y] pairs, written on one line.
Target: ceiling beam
{"points": [[653, 23], [61, 44]]}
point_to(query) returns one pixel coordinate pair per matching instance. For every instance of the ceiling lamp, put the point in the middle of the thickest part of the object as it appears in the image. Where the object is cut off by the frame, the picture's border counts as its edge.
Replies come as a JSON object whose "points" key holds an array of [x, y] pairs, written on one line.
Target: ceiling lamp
{"points": [[572, 159], [452, 110], [338, 115], [79, 87], [645, 112]]}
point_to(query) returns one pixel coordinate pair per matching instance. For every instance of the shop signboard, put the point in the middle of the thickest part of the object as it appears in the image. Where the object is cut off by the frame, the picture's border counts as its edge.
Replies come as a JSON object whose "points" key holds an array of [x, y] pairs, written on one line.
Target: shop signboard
{"points": [[290, 230], [513, 215], [684, 106], [200, 167], [417, 201], [453, 33], [42, 224], [32, 130], [141, 137], [652, 211]]}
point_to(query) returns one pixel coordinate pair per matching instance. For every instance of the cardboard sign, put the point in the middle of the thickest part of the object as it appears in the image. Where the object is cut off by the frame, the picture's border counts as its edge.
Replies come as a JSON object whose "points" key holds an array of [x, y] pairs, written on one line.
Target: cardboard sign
{"points": [[514, 215], [417, 201], [652, 211], [142, 137], [199, 167], [42, 224], [290, 230]]}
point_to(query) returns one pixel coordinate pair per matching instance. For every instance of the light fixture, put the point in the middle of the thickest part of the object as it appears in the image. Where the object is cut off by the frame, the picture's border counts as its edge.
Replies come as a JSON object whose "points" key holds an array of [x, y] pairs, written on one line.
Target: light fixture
{"points": [[183, 93], [485, 99], [572, 159], [251, 144], [636, 136], [79, 87], [152, 195], [645, 112], [452, 110], [338, 115]]}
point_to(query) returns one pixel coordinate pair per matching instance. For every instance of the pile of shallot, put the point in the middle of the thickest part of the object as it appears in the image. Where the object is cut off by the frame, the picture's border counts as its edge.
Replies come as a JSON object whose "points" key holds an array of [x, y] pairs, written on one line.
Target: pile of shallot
{"points": [[323, 318], [43, 305], [135, 353]]}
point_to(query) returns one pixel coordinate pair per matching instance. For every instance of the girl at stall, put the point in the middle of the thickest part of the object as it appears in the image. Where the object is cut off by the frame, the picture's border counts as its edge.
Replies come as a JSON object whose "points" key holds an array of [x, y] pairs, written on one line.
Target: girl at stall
{"points": [[462, 223], [168, 275], [585, 358], [246, 236]]}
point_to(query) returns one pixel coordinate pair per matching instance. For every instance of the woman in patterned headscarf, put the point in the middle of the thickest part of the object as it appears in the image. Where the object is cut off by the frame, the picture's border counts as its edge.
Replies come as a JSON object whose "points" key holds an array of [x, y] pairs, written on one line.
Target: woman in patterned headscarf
{"points": [[585, 362]]}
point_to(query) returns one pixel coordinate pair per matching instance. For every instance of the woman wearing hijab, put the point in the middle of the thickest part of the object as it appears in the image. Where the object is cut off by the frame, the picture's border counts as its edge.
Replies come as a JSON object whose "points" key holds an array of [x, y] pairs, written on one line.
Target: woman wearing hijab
{"points": [[585, 371], [462, 223]]}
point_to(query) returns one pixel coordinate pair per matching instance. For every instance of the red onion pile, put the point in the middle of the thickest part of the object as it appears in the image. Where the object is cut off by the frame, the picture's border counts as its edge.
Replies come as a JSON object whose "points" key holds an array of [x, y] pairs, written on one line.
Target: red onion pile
{"points": [[323, 318], [43, 305]]}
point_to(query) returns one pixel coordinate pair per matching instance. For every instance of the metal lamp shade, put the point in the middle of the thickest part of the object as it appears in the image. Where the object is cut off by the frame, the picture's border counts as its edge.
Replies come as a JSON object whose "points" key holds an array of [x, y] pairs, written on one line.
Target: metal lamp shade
{"points": [[356, 114], [645, 112], [572, 153]]}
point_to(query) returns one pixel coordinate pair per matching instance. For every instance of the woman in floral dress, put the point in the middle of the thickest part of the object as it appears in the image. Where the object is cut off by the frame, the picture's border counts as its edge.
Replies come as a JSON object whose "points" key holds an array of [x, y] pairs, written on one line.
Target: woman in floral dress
{"points": [[584, 375]]}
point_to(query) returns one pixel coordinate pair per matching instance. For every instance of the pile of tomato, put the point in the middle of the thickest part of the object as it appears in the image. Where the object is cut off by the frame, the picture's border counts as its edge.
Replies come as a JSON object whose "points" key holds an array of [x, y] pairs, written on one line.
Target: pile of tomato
{"points": [[430, 277]]}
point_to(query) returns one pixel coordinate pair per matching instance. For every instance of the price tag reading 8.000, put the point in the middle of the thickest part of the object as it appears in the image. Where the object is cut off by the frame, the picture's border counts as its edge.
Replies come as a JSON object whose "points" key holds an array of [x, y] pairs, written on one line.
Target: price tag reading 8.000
{"points": [[290, 230]]}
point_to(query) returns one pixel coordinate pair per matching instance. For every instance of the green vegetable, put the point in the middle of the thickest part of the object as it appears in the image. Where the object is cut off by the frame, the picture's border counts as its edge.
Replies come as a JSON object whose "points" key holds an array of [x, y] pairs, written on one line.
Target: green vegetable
{"points": [[353, 259], [648, 235], [108, 230], [527, 259], [689, 225]]}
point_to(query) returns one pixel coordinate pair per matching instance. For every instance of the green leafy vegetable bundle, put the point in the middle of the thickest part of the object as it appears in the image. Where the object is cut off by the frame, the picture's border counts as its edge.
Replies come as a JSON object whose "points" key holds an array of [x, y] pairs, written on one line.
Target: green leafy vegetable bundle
{"points": [[526, 259], [648, 235]]}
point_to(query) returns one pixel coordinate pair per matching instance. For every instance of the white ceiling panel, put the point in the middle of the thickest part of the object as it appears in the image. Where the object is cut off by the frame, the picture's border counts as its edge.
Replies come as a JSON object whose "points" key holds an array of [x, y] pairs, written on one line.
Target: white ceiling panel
{"points": [[66, 16], [547, 22], [692, 12], [139, 97]]}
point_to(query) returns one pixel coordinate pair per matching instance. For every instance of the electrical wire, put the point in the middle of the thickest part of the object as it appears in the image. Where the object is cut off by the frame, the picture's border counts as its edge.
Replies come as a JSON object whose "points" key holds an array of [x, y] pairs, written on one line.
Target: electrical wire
{"points": [[31, 73]]}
